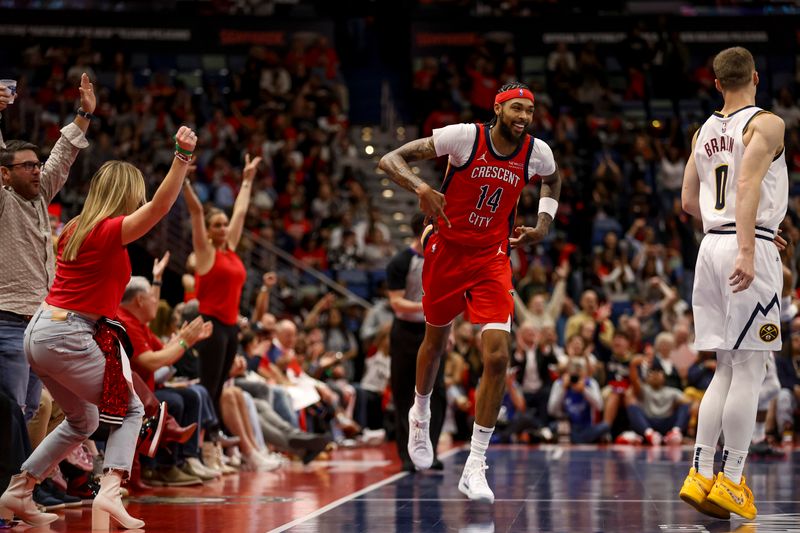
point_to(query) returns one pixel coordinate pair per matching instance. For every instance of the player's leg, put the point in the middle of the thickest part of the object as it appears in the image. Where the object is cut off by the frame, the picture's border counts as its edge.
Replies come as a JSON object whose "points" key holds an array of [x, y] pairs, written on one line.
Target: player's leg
{"points": [[489, 396], [738, 420], [442, 301], [709, 418], [429, 357]]}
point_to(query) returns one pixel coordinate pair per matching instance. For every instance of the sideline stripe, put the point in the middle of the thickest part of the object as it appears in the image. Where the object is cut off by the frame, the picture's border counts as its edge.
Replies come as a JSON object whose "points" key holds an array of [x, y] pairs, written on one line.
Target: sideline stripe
{"points": [[356, 494]]}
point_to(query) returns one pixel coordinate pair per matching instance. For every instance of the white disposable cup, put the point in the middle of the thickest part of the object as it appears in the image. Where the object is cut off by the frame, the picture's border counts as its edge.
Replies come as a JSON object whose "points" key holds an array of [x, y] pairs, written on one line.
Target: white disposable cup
{"points": [[11, 84]]}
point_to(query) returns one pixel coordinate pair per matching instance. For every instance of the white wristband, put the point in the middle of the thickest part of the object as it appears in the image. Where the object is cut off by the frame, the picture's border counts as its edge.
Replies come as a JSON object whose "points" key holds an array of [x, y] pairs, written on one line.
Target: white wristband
{"points": [[549, 206]]}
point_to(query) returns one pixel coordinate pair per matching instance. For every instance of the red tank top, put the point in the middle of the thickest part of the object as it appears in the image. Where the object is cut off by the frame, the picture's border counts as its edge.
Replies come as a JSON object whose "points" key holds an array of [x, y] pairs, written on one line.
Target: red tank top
{"points": [[220, 289], [482, 194]]}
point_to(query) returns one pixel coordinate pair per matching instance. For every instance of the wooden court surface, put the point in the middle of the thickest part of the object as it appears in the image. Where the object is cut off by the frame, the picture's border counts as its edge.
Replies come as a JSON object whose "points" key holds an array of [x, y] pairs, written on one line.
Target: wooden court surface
{"points": [[538, 489]]}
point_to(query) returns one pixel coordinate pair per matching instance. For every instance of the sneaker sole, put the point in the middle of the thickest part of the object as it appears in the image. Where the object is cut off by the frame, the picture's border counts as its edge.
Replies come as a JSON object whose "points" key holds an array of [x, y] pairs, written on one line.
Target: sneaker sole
{"points": [[722, 515], [162, 417]]}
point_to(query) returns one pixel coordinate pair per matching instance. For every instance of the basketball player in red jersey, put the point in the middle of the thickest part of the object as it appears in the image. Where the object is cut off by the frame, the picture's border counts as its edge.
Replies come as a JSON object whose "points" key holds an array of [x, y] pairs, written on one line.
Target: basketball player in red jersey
{"points": [[467, 266]]}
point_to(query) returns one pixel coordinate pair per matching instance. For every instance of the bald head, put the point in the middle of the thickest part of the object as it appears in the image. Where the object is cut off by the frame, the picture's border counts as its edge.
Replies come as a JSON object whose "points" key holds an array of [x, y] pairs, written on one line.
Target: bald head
{"points": [[286, 332]]}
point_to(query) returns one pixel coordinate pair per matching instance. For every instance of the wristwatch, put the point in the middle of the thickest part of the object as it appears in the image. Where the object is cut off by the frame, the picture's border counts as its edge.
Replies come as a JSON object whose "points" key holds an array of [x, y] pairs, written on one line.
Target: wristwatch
{"points": [[84, 114]]}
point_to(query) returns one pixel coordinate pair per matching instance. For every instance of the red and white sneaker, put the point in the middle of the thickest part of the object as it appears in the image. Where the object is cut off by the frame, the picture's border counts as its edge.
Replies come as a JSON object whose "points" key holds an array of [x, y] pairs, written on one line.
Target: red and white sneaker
{"points": [[653, 437], [674, 436], [628, 437]]}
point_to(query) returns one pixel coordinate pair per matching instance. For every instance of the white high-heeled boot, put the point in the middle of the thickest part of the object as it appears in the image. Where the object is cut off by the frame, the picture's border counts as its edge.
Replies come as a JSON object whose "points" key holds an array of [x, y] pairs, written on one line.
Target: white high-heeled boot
{"points": [[108, 503], [18, 499]]}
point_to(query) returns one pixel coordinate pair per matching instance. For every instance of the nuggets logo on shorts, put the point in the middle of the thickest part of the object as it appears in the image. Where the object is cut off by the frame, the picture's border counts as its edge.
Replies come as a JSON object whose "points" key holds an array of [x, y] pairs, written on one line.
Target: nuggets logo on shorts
{"points": [[768, 332]]}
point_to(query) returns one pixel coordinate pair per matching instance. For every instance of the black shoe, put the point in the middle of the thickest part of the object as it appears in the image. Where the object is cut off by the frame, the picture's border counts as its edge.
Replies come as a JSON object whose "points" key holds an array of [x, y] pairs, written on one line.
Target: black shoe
{"points": [[46, 500], [54, 490], [765, 450], [313, 444], [437, 465], [151, 432]]}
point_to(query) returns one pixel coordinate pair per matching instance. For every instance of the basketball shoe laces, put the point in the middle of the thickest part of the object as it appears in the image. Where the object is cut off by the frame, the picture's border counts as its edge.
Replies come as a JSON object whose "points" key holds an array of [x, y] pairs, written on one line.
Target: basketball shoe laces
{"points": [[475, 476], [419, 435]]}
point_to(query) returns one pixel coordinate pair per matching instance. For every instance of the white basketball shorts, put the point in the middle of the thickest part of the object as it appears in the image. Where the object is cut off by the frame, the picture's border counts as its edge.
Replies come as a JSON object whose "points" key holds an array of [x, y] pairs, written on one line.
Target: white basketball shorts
{"points": [[747, 320]]}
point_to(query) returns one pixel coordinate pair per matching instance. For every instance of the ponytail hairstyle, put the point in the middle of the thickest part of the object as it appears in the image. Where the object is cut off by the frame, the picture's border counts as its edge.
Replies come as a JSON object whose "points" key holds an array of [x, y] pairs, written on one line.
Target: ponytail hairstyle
{"points": [[504, 88]]}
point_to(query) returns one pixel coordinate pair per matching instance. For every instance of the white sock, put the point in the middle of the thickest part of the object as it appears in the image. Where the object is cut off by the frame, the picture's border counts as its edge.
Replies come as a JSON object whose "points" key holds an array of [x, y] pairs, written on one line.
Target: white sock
{"points": [[480, 441], [760, 432], [733, 464], [422, 405], [703, 460]]}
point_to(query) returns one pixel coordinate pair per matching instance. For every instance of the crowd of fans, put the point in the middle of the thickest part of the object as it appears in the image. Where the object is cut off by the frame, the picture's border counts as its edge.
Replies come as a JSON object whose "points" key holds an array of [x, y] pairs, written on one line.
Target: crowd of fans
{"points": [[603, 343]]}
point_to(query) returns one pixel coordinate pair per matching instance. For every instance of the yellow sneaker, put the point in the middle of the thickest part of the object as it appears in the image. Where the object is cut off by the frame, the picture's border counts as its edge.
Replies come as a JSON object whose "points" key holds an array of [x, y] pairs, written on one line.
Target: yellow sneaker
{"points": [[735, 498], [695, 492]]}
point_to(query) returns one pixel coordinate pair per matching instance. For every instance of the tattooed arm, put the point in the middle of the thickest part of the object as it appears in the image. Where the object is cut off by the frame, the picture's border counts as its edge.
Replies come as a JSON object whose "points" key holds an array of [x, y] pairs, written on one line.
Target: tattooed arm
{"points": [[395, 164]]}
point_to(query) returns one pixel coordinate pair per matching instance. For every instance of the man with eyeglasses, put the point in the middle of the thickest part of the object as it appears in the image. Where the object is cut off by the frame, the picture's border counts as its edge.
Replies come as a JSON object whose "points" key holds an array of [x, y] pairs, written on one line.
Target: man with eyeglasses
{"points": [[28, 186]]}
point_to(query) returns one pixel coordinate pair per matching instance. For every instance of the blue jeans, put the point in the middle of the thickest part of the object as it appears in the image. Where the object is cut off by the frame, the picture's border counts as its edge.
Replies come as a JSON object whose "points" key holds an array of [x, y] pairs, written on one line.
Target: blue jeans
{"points": [[63, 352], [17, 380], [588, 434], [641, 422], [185, 406]]}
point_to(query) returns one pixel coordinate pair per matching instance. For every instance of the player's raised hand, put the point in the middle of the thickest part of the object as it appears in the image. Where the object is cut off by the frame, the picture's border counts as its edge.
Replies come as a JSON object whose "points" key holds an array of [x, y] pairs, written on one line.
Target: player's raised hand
{"points": [[743, 272], [432, 203]]}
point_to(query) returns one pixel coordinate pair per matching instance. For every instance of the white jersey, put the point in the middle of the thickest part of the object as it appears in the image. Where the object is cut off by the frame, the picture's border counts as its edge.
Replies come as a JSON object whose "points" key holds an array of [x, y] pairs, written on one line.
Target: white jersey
{"points": [[718, 155], [748, 320]]}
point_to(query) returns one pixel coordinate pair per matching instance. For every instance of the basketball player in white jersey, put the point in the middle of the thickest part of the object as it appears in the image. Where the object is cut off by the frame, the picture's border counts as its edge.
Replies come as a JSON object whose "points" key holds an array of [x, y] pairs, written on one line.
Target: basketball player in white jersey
{"points": [[736, 181]]}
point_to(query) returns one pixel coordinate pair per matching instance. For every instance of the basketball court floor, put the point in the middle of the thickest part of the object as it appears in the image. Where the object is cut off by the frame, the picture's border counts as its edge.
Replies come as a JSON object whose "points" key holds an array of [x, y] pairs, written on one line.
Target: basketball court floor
{"points": [[614, 489]]}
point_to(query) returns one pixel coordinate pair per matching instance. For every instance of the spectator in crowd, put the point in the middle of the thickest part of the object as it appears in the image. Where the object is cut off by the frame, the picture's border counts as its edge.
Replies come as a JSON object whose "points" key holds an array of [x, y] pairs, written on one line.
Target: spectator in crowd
{"points": [[29, 272], [182, 464], [114, 215], [576, 396], [657, 412], [663, 348], [534, 369], [220, 275], [592, 311], [788, 366]]}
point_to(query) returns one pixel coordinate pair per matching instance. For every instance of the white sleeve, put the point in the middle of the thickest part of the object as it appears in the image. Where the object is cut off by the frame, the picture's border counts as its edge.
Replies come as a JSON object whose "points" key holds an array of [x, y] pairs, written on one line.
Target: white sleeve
{"points": [[456, 140], [541, 162]]}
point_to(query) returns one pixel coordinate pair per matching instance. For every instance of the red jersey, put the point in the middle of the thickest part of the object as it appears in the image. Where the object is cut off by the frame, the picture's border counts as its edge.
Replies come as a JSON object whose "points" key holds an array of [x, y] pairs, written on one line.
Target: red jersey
{"points": [[482, 191]]}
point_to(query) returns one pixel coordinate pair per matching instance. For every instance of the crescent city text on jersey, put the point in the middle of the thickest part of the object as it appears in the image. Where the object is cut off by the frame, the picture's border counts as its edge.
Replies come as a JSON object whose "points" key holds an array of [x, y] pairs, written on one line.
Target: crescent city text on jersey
{"points": [[714, 145], [500, 173]]}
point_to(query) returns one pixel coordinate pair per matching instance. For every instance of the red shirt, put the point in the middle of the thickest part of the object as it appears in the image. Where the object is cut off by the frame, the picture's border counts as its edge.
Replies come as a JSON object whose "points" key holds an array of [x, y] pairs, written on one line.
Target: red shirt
{"points": [[220, 289], [94, 282], [143, 340]]}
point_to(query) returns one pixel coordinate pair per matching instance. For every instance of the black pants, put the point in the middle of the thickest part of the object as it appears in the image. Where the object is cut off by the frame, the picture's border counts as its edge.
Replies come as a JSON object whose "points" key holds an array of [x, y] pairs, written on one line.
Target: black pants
{"points": [[184, 405], [405, 339], [216, 355]]}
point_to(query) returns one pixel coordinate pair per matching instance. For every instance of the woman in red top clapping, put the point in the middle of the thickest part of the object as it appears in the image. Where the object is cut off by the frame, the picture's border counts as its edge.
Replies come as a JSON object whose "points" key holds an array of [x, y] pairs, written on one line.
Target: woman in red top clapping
{"points": [[92, 271]]}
